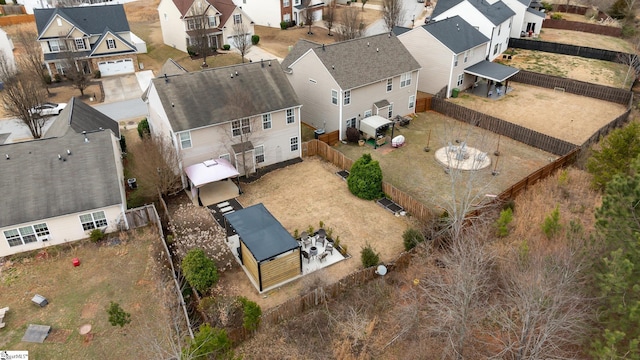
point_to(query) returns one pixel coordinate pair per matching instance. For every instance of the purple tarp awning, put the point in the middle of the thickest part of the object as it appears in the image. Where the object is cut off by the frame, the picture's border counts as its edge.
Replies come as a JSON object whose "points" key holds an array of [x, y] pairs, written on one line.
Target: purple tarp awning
{"points": [[210, 171]]}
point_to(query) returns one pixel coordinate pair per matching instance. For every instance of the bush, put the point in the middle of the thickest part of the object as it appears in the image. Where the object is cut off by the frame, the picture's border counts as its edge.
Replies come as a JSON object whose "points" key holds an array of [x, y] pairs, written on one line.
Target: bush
{"points": [[283, 25], [369, 257], [199, 270], [353, 135], [251, 313], [192, 50], [117, 316], [57, 78], [615, 156], [47, 79], [255, 39], [365, 178], [551, 225], [226, 47], [143, 128], [96, 235], [556, 16], [97, 74], [548, 7], [209, 343], [411, 238], [123, 144], [502, 224]]}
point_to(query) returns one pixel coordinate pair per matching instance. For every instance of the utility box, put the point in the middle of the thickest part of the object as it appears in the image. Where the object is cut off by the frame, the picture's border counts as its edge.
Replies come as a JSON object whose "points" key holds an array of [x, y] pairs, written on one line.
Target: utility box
{"points": [[40, 300]]}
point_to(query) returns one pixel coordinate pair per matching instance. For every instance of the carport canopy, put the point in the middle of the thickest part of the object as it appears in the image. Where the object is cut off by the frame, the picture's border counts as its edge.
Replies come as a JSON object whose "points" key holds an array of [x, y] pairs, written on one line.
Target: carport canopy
{"points": [[210, 171], [492, 71], [371, 124], [263, 235]]}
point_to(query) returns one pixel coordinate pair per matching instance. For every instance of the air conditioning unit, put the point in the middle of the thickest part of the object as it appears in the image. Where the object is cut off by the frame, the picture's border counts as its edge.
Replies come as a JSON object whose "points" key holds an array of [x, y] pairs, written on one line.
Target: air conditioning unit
{"points": [[45, 238]]}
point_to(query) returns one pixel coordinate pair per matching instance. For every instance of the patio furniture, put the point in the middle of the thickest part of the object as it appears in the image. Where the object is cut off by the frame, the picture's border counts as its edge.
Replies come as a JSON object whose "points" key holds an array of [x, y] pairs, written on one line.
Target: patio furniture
{"points": [[313, 252], [329, 248], [321, 239], [306, 240], [397, 141], [323, 256], [306, 256]]}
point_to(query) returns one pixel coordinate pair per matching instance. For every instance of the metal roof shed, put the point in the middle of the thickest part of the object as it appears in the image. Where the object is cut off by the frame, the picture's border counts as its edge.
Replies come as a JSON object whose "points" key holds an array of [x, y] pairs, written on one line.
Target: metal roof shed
{"points": [[269, 253], [370, 125]]}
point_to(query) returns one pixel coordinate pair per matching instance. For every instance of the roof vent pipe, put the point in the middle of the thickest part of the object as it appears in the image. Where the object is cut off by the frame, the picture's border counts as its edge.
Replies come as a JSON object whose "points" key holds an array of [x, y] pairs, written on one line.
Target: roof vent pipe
{"points": [[59, 157], [269, 62], [68, 152], [85, 136], [7, 156], [262, 62]]}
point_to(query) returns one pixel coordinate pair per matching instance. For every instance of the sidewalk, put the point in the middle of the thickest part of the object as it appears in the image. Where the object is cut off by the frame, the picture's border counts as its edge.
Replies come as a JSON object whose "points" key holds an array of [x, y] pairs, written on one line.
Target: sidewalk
{"points": [[256, 53]]}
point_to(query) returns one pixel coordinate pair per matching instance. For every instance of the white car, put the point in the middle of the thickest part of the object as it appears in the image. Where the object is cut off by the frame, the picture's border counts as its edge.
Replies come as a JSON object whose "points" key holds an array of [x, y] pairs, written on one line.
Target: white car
{"points": [[48, 109]]}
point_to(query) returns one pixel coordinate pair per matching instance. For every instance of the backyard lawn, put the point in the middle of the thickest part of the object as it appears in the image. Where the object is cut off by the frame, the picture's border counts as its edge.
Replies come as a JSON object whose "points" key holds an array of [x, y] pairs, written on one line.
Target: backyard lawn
{"points": [[122, 270]]}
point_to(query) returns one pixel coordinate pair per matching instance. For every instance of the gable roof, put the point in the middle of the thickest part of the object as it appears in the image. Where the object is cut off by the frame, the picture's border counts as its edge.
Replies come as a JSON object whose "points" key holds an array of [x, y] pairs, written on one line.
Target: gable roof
{"points": [[214, 96], [497, 13], [89, 19], [358, 62], [107, 31], [40, 186], [536, 12], [79, 117], [456, 34], [225, 7]]}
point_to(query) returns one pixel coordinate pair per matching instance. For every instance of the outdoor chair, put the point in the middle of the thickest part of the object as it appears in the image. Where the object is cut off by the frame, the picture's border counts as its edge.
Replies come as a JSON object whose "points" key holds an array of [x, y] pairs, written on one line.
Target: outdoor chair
{"points": [[306, 240], [329, 248], [322, 238], [306, 256], [323, 256]]}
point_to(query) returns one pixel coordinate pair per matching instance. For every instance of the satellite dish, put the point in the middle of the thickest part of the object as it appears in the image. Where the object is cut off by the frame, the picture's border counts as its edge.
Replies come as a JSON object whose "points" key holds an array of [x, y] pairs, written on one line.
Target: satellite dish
{"points": [[381, 270]]}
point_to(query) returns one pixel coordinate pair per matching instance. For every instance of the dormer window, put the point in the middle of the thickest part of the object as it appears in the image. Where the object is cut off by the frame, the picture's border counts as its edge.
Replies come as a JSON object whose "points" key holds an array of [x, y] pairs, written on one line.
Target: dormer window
{"points": [[237, 19], [111, 44]]}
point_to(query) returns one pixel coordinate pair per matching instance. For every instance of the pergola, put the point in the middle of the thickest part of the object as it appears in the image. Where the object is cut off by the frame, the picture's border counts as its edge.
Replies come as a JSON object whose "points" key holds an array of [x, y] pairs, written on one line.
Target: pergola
{"points": [[493, 72], [209, 171]]}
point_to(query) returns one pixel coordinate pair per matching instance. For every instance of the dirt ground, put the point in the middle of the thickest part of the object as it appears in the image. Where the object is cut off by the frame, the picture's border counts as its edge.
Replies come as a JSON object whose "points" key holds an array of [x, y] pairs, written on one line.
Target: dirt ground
{"points": [[586, 39], [562, 115]]}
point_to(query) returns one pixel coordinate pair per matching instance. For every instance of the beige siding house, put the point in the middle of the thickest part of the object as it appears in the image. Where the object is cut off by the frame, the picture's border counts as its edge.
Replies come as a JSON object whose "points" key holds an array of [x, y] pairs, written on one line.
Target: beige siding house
{"points": [[247, 114], [97, 37], [184, 21], [342, 83]]}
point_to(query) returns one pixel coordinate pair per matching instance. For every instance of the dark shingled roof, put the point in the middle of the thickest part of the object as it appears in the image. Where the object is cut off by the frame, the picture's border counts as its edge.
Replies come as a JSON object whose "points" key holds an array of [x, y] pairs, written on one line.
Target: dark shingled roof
{"points": [[37, 185], [80, 117], [497, 12], [89, 19], [213, 96], [263, 235], [171, 67], [456, 34], [361, 61], [490, 70]]}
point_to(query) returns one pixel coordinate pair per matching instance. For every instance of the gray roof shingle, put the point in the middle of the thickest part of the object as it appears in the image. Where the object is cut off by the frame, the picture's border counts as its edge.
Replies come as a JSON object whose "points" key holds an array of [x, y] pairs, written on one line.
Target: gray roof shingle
{"points": [[214, 96], [456, 34], [37, 185], [90, 19], [497, 12], [358, 62], [80, 117]]}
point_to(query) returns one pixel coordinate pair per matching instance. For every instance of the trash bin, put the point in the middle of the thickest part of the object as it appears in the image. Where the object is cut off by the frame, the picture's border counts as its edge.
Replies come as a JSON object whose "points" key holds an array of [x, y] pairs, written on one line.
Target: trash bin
{"points": [[455, 92], [318, 132], [133, 184]]}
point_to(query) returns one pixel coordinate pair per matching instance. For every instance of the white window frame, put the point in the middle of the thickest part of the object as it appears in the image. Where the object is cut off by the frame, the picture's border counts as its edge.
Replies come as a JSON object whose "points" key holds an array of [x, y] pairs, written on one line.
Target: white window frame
{"points": [[240, 127], [26, 234], [56, 45], [405, 79], [455, 60], [225, 156], [80, 41], [460, 79], [291, 116], [390, 85], [390, 113], [346, 99], [213, 21], [93, 220], [259, 154], [286, 17], [237, 19], [368, 113], [412, 101], [499, 29], [334, 97], [185, 140], [294, 144], [496, 48], [286, 3], [466, 56], [266, 121], [351, 122], [111, 44]]}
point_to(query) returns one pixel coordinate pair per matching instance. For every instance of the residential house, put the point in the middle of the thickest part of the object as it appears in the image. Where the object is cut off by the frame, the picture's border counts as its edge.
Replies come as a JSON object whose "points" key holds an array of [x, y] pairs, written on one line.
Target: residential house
{"points": [[444, 49], [527, 21], [96, 38], [272, 12], [246, 115], [221, 21], [492, 18], [6, 48], [60, 188], [339, 84]]}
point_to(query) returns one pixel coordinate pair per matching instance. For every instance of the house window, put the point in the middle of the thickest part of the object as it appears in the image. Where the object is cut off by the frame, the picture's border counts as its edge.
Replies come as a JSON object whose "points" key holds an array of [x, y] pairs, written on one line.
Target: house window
{"points": [[26, 235], [291, 116], [225, 156], [93, 220], [285, 3], [185, 140], [367, 113], [496, 49], [460, 79], [287, 17], [296, 2], [313, 81], [80, 44], [466, 56], [195, 23], [455, 60], [351, 122], [212, 21], [347, 97], [237, 18], [294, 143], [266, 121], [165, 16], [334, 97], [259, 151], [412, 101], [240, 127], [405, 79], [389, 85], [41, 229], [499, 28], [111, 44], [390, 111], [57, 45]]}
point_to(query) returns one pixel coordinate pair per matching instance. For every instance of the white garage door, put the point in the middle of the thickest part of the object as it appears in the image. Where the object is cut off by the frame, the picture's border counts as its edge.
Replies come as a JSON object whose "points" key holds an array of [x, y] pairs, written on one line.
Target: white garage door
{"points": [[317, 15], [116, 67]]}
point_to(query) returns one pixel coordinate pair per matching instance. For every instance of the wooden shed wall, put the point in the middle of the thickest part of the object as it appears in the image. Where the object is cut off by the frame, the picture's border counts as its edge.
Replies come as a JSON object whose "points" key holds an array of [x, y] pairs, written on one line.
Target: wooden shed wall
{"points": [[282, 269], [250, 262]]}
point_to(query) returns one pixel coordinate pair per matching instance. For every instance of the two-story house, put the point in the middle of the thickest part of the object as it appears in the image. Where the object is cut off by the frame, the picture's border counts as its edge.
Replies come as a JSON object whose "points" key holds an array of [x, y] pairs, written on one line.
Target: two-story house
{"points": [[527, 21], [339, 84], [79, 186], [221, 21], [271, 12], [247, 115], [492, 18], [95, 37]]}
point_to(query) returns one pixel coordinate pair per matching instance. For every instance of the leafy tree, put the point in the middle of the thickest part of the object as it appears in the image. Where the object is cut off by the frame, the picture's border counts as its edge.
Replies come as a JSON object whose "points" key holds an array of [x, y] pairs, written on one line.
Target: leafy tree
{"points": [[551, 225], [369, 257], [117, 316], [617, 152], [209, 343], [502, 224], [365, 178], [251, 313], [143, 128], [411, 238], [199, 270]]}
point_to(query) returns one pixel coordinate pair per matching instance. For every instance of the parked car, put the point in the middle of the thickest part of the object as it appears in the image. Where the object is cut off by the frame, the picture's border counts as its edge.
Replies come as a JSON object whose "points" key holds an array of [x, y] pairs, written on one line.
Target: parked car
{"points": [[48, 109]]}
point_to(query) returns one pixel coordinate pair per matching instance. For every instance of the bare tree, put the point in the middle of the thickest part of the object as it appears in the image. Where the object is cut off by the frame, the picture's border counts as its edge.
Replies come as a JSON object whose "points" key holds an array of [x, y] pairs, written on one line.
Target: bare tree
{"points": [[392, 13], [155, 161], [307, 14], [632, 62], [75, 69], [351, 25], [31, 55], [330, 15], [22, 91], [241, 38], [200, 25]]}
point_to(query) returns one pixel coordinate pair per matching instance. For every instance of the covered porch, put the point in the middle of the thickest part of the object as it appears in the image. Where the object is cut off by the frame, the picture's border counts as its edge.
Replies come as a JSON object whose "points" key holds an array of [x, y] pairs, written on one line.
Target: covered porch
{"points": [[213, 181], [491, 79]]}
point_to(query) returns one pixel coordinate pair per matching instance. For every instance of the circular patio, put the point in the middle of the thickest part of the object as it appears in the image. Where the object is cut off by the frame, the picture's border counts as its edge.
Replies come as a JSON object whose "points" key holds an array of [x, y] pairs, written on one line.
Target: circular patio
{"points": [[462, 157]]}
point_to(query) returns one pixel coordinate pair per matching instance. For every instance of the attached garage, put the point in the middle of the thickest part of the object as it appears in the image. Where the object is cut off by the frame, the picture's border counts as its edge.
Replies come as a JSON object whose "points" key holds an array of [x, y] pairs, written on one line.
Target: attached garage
{"points": [[116, 67]]}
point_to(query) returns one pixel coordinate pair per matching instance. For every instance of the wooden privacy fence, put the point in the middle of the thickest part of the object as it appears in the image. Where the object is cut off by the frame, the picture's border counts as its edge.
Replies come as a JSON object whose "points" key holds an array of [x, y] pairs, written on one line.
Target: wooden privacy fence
{"points": [[141, 216], [582, 27], [423, 104], [16, 19], [331, 138], [617, 122], [502, 127], [12, 10], [567, 49], [582, 88]]}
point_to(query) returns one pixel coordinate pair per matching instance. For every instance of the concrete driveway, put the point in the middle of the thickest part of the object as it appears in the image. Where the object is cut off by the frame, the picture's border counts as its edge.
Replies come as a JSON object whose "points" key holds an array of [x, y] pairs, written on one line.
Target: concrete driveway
{"points": [[125, 87]]}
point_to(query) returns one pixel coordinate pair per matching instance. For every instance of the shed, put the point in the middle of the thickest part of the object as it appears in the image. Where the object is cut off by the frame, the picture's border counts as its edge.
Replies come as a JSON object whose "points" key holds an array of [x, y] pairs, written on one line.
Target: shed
{"points": [[370, 125], [269, 253]]}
